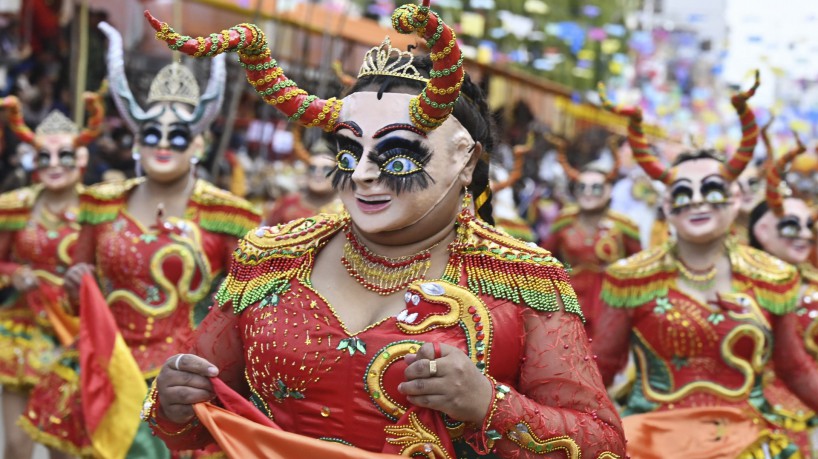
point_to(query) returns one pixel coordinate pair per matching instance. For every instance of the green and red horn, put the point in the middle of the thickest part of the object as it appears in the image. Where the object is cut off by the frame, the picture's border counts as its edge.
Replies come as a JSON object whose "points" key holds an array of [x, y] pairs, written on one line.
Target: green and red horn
{"points": [[96, 114], [636, 138], [775, 171], [749, 133], [436, 102], [16, 122], [263, 72], [562, 156]]}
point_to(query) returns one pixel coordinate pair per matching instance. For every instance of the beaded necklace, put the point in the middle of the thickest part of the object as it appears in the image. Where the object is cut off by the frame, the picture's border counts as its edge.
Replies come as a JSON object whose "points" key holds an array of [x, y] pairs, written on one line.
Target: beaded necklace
{"points": [[383, 275], [702, 280]]}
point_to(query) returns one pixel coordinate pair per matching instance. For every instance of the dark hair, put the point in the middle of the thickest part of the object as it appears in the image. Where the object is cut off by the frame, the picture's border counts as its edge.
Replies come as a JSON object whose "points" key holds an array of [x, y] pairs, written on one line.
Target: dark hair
{"points": [[698, 154], [758, 211], [471, 109]]}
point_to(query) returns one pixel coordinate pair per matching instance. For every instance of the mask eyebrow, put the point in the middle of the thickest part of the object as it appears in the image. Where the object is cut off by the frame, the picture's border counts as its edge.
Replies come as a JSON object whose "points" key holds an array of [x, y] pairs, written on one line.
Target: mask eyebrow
{"points": [[398, 127], [351, 125], [714, 176]]}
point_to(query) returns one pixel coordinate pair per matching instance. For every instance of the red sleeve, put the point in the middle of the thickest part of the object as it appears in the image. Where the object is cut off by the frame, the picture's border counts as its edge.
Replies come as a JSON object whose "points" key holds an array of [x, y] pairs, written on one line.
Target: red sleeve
{"points": [[7, 267], [217, 340], [612, 341], [559, 402], [792, 362], [632, 245], [86, 247]]}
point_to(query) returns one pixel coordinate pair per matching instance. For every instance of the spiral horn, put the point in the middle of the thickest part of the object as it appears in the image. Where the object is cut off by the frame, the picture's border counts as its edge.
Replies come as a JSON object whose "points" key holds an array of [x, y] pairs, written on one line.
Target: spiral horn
{"points": [[775, 181], [263, 72], [16, 122], [636, 138], [436, 101], [613, 145], [562, 156], [96, 114], [749, 133]]}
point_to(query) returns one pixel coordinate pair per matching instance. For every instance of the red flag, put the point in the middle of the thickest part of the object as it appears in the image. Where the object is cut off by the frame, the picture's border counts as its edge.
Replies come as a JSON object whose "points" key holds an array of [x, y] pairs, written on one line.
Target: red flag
{"points": [[112, 385]]}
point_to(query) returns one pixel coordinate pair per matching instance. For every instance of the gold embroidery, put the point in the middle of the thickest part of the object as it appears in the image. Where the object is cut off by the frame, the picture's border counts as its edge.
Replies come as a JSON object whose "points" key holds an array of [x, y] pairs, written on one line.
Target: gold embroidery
{"points": [[416, 440]]}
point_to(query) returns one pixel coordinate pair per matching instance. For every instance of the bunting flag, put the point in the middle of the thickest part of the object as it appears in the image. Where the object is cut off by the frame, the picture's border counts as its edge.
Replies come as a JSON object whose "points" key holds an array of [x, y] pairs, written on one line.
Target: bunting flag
{"points": [[242, 431], [112, 387]]}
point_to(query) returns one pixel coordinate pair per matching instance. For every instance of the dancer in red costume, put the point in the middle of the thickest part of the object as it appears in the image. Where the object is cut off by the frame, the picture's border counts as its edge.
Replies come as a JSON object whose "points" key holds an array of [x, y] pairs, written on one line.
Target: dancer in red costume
{"points": [[590, 236], [410, 322], [782, 225], [158, 244], [702, 315], [38, 234]]}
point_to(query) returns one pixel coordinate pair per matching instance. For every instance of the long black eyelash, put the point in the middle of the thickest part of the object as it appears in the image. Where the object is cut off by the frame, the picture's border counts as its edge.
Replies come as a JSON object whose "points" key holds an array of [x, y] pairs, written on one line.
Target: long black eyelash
{"points": [[413, 181], [715, 185], [340, 178]]}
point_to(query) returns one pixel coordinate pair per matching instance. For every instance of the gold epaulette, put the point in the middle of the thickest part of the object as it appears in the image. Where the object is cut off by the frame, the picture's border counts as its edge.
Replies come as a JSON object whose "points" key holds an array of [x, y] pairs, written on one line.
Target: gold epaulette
{"points": [[624, 224], [639, 279], [101, 203], [15, 207], [506, 268], [268, 257], [809, 273], [776, 284], [223, 212]]}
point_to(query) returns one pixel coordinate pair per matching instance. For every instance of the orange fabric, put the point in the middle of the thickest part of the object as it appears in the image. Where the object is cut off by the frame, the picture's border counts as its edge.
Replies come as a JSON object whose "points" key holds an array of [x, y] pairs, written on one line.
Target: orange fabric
{"points": [[690, 433], [243, 438], [48, 298]]}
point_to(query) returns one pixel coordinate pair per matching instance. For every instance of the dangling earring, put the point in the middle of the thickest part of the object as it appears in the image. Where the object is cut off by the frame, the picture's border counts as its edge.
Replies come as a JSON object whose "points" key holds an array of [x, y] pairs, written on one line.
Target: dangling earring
{"points": [[467, 199], [137, 161]]}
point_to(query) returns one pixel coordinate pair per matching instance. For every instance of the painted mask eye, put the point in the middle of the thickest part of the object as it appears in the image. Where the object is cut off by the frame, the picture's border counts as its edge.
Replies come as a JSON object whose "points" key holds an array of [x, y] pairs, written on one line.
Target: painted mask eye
{"points": [[179, 140], [681, 197], [715, 197], [597, 188], [789, 229], [347, 162], [400, 166], [68, 159], [151, 137], [43, 160]]}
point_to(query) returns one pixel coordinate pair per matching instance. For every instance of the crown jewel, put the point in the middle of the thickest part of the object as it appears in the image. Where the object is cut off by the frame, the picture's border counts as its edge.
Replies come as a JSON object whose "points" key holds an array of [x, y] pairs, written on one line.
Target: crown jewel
{"points": [[56, 123], [174, 83], [388, 61]]}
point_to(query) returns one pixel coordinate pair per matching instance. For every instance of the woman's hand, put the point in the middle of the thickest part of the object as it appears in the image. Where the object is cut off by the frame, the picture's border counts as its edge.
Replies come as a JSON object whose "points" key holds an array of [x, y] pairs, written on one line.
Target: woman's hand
{"points": [[184, 381], [457, 388], [73, 279], [24, 280]]}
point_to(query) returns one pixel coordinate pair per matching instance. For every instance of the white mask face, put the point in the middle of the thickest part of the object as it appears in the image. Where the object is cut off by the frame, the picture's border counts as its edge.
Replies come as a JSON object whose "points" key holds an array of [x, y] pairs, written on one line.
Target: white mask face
{"points": [[390, 175]]}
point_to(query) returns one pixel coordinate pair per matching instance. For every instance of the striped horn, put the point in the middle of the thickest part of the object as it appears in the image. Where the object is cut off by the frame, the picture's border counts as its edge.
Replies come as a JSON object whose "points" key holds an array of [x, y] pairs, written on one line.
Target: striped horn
{"points": [[562, 156], [520, 152], [16, 122], [775, 181], [263, 72], [749, 133], [436, 102], [613, 145], [96, 114], [636, 138]]}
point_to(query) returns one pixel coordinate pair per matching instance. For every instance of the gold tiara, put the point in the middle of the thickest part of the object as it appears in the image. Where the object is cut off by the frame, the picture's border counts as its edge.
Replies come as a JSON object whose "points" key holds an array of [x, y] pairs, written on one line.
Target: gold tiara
{"points": [[388, 61], [174, 83], [56, 123]]}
